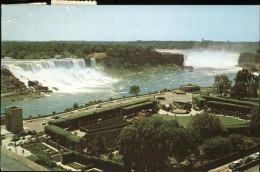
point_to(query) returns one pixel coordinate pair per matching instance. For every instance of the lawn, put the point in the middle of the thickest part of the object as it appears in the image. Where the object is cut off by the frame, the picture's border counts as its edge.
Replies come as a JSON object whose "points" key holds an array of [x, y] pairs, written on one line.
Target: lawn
{"points": [[184, 120]]}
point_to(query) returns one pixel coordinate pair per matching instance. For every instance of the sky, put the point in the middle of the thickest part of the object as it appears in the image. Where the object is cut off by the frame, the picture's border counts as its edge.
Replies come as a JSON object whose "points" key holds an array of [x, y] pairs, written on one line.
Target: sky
{"points": [[130, 23]]}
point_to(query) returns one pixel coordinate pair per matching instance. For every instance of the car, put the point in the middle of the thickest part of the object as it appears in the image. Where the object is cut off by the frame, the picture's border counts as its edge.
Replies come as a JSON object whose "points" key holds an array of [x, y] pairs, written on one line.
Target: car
{"points": [[44, 123], [55, 117], [245, 160], [255, 156], [98, 106], [234, 164]]}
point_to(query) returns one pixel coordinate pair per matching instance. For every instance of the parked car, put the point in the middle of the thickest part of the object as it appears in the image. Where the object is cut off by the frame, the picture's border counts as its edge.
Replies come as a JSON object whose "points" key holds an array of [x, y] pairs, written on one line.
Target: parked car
{"points": [[255, 156], [98, 106], [234, 164], [55, 117], [44, 123], [245, 160]]}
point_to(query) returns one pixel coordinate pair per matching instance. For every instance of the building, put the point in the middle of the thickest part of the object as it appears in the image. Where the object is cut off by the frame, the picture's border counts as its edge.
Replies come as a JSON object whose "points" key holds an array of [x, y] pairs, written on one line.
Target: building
{"points": [[189, 88], [14, 119]]}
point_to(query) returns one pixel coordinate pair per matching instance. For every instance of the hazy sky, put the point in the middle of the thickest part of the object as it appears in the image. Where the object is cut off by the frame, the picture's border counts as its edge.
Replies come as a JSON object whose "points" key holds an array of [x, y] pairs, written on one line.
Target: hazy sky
{"points": [[130, 23]]}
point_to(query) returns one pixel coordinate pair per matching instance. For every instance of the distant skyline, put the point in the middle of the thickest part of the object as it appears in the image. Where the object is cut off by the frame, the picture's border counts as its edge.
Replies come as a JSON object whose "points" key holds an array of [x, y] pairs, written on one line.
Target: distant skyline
{"points": [[130, 23]]}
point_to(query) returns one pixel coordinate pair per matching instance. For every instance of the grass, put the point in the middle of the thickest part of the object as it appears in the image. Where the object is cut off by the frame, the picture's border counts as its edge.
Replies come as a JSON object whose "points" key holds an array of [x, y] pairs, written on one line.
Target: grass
{"points": [[184, 120]]}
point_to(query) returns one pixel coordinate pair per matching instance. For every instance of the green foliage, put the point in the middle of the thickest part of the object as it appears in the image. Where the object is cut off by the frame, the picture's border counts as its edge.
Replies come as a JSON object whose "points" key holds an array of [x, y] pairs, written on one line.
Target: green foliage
{"points": [[65, 138], [246, 84], [238, 91], [134, 90], [138, 107], [106, 165], [228, 106], [75, 106], [205, 126], [200, 101], [222, 83], [177, 105], [216, 147], [237, 141], [102, 113], [68, 157], [231, 101], [254, 120], [163, 138]]}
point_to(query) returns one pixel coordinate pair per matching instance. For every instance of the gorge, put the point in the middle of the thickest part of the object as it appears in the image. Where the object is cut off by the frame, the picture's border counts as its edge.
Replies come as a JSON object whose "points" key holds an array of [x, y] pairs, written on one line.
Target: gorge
{"points": [[81, 84]]}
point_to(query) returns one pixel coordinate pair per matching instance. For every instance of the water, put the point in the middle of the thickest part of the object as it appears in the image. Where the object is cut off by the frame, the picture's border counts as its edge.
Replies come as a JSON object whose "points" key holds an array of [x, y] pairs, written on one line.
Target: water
{"points": [[67, 75], [202, 75], [93, 63]]}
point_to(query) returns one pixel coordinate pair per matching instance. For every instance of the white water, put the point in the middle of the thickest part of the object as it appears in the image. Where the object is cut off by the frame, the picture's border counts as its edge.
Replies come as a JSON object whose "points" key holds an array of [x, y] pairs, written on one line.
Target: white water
{"points": [[68, 75], [93, 62], [208, 58]]}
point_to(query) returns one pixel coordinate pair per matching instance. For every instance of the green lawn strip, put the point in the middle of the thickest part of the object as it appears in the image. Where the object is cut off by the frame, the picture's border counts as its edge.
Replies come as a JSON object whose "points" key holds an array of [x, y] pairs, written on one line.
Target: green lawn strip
{"points": [[184, 120], [230, 121]]}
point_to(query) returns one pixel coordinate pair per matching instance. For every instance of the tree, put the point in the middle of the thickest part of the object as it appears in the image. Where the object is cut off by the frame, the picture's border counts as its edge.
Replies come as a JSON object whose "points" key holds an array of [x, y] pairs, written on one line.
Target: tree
{"points": [[254, 120], [237, 141], [134, 90], [216, 146], [252, 90], [148, 143], [75, 106], [222, 83], [238, 90], [251, 81], [205, 125]]}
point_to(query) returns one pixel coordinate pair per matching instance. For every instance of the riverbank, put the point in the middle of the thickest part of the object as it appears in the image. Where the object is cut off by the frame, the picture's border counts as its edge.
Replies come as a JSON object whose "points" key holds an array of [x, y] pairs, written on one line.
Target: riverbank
{"points": [[125, 72], [14, 96]]}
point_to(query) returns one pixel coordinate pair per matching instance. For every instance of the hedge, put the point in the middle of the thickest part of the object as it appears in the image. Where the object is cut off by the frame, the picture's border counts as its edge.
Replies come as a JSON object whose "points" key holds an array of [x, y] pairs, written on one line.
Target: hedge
{"points": [[231, 101], [242, 129], [200, 101], [177, 105], [68, 157], [66, 138], [73, 121], [106, 165], [228, 106], [138, 107]]}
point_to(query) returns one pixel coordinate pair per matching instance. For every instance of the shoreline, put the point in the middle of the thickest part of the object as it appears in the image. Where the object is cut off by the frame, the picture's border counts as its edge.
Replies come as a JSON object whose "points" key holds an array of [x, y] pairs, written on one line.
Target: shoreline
{"points": [[15, 96], [128, 73]]}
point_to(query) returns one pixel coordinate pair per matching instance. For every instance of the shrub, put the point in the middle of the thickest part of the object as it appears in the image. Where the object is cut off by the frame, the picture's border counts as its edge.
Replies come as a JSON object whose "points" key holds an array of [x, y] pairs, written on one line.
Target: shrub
{"points": [[228, 106], [63, 136], [216, 146]]}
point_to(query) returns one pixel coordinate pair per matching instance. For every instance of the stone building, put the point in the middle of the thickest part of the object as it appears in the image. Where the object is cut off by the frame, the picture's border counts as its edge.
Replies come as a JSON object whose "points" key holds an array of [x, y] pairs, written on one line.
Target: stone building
{"points": [[14, 119], [189, 88]]}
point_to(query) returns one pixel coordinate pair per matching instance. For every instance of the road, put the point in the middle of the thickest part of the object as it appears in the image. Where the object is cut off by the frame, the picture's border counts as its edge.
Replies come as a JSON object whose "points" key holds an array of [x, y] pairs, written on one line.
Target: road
{"points": [[224, 168], [36, 124]]}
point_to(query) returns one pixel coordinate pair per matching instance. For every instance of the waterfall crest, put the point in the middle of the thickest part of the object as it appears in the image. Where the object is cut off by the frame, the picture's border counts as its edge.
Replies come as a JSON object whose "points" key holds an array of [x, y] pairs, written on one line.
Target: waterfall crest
{"points": [[207, 58], [67, 75], [93, 63]]}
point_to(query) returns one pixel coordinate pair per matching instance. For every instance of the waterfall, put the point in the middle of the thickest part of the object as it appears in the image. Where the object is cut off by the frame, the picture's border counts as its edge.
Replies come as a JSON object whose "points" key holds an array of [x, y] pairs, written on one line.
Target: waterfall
{"points": [[93, 63], [207, 58], [67, 75]]}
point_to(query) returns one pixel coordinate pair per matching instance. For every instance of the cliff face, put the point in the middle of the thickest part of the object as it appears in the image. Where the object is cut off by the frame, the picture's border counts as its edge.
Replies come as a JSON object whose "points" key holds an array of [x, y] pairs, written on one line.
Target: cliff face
{"points": [[10, 83], [164, 58], [250, 60]]}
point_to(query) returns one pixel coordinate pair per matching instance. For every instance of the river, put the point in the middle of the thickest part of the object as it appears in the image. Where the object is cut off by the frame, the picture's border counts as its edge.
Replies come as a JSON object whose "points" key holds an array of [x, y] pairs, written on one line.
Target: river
{"points": [[78, 84]]}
